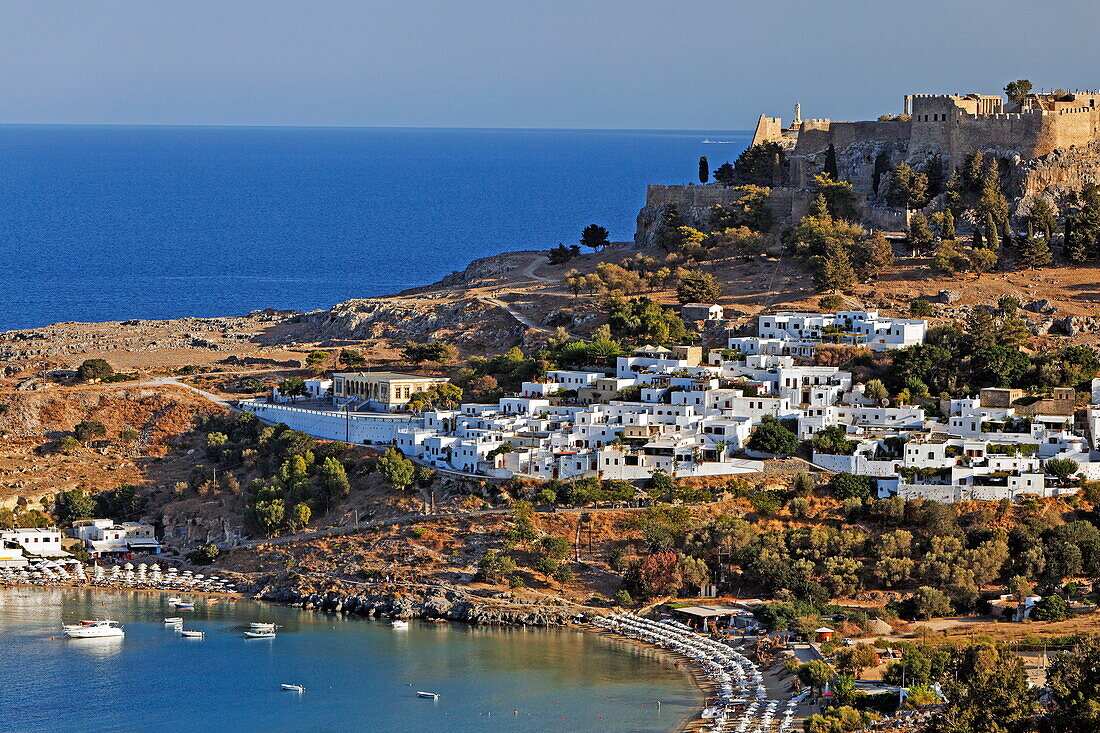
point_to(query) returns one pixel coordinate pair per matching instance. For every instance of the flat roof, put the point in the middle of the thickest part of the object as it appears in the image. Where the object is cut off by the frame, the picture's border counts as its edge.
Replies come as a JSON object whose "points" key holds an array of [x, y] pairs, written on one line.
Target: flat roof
{"points": [[711, 611], [391, 376]]}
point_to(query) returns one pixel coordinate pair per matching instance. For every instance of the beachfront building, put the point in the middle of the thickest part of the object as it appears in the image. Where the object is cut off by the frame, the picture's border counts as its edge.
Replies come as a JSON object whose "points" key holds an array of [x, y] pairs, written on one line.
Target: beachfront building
{"points": [[105, 538], [379, 391], [35, 541]]}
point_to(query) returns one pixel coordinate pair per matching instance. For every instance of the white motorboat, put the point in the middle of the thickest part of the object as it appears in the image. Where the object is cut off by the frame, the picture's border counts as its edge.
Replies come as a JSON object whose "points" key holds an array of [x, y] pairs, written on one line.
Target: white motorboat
{"points": [[259, 634], [173, 620], [292, 688], [399, 624], [97, 630], [261, 626], [431, 695], [192, 634]]}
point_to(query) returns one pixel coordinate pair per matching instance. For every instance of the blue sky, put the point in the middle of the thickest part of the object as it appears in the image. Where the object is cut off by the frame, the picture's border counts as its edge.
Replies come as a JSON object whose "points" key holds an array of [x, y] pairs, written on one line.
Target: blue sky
{"points": [[692, 64]]}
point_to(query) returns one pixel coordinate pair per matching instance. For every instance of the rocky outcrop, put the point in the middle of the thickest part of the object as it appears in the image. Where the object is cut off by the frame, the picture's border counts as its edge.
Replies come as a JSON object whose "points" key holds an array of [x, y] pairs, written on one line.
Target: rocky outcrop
{"points": [[448, 604]]}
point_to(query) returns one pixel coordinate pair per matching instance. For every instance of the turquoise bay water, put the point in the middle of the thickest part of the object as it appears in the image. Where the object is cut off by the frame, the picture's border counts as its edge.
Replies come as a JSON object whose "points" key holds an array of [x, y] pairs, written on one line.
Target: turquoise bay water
{"points": [[110, 223], [360, 675]]}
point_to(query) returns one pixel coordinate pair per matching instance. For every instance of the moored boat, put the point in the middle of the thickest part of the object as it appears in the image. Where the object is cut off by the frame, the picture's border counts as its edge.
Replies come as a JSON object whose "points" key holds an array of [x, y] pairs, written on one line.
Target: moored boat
{"points": [[431, 695], [185, 606], [173, 620], [261, 626], [260, 634], [292, 688], [97, 630], [192, 634]]}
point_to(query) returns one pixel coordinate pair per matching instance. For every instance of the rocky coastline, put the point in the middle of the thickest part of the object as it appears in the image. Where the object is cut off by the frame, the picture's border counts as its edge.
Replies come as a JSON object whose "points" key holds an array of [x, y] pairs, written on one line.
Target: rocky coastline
{"points": [[434, 605]]}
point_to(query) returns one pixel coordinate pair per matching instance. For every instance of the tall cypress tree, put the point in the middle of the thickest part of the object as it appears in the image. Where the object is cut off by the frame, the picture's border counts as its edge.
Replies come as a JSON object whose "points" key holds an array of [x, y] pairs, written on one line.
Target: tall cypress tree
{"points": [[830, 164], [704, 170], [947, 226]]}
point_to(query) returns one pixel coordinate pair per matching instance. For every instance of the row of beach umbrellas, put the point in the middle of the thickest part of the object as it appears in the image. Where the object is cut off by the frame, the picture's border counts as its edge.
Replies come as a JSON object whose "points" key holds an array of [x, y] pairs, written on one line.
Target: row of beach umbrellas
{"points": [[66, 572], [737, 678]]}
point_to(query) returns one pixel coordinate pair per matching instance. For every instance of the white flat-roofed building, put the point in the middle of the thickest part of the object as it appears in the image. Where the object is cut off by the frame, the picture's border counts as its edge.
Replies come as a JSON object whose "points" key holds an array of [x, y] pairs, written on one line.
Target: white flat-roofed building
{"points": [[43, 542]]}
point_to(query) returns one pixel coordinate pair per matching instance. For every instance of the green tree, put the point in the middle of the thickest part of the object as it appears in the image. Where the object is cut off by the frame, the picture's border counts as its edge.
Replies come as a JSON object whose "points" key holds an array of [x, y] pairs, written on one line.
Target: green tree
{"points": [[1074, 683], [436, 397], [72, 505], [927, 603], [750, 209], [396, 468], [94, 370], [987, 692], [850, 486], [351, 358], [265, 516], [68, 445], [204, 554], [1033, 252], [875, 390], [947, 225], [1061, 468], [830, 168], [292, 387], [495, 567], [760, 165], [88, 430], [921, 237], [433, 351], [595, 236], [771, 437], [879, 257], [704, 170], [1017, 91], [123, 504], [1042, 215], [724, 175], [696, 286], [1052, 608], [815, 674], [299, 517], [840, 199], [832, 270], [334, 482]]}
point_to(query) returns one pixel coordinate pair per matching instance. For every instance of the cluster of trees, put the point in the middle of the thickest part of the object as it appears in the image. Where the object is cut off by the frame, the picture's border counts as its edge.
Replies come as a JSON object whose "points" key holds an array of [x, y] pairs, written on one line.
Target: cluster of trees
{"points": [[985, 352], [644, 320], [834, 250], [758, 165], [432, 351], [544, 553], [124, 504], [296, 477]]}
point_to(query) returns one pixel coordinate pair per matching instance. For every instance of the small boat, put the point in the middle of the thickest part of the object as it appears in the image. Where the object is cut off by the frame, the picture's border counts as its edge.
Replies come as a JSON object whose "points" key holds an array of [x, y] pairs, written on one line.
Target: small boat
{"points": [[260, 634], [292, 688], [97, 630], [399, 624], [185, 606], [192, 634], [212, 602], [173, 620], [430, 695], [260, 626], [174, 600]]}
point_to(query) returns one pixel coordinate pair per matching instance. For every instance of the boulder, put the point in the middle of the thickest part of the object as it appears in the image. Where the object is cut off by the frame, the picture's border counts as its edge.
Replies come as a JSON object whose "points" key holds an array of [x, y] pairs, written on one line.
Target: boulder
{"points": [[948, 296], [1042, 306]]}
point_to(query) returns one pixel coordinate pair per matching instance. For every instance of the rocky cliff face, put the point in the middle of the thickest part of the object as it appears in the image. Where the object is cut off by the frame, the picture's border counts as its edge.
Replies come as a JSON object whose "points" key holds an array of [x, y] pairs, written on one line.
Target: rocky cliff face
{"points": [[449, 604]]}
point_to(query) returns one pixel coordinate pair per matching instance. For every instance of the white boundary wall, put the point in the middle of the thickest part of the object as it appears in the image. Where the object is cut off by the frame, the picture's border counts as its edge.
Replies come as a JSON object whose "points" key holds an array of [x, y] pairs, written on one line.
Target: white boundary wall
{"points": [[356, 427]]}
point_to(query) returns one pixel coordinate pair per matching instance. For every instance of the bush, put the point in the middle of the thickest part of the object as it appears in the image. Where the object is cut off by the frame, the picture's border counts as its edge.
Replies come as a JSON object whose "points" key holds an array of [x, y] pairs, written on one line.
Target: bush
{"points": [[921, 308], [771, 437], [204, 554], [88, 430], [850, 486], [622, 598], [68, 445], [94, 370]]}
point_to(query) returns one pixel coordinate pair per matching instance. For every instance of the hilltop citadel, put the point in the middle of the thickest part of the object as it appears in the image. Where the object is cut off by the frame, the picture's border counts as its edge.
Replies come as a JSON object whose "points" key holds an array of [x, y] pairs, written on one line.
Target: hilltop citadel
{"points": [[1046, 143]]}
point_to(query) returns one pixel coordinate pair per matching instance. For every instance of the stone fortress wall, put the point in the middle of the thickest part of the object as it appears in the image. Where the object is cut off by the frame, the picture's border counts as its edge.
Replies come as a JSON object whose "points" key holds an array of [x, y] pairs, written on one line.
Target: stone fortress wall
{"points": [[1049, 145]]}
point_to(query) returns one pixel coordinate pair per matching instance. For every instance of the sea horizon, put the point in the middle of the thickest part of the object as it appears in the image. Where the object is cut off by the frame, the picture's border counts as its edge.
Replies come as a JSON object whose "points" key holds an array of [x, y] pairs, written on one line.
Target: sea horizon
{"points": [[120, 222]]}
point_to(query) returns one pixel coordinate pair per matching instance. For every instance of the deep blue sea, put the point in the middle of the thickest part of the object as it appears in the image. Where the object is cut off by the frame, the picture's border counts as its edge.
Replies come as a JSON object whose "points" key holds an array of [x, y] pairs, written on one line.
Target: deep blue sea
{"points": [[359, 675], [108, 223]]}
